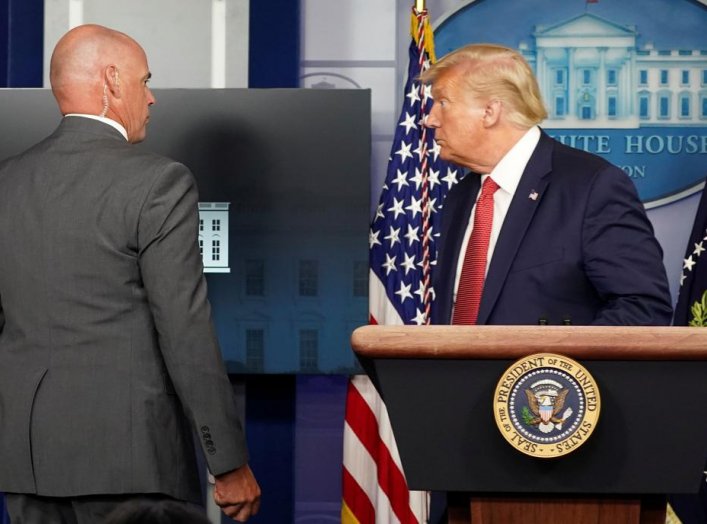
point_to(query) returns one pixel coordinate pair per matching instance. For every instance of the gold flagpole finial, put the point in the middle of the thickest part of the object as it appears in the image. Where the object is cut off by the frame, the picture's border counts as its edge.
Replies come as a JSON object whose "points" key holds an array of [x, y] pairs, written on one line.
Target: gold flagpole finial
{"points": [[419, 5]]}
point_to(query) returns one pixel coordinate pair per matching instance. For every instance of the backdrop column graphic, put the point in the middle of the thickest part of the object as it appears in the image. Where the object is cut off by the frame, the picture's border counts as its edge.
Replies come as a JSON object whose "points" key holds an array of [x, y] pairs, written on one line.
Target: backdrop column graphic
{"points": [[443, 386]]}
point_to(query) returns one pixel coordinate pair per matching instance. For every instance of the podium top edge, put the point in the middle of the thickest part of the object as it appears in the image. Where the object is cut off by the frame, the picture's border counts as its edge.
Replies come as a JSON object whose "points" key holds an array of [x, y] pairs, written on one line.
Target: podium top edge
{"points": [[512, 342]]}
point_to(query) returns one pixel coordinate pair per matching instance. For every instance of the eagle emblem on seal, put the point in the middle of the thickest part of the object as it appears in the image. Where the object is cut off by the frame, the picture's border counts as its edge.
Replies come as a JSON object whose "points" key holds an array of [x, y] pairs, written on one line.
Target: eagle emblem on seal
{"points": [[546, 400]]}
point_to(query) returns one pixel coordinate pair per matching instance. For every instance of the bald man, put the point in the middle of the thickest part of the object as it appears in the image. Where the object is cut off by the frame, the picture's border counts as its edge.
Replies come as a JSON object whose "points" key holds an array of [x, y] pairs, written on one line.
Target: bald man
{"points": [[108, 358]]}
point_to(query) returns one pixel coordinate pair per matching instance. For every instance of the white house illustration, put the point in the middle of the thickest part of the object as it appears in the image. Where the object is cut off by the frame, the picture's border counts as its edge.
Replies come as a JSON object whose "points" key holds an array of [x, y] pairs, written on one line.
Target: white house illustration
{"points": [[213, 236], [592, 75]]}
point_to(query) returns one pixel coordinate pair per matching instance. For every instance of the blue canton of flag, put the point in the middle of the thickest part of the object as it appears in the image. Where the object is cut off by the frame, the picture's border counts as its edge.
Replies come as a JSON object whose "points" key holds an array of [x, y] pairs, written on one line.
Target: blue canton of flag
{"points": [[402, 241]]}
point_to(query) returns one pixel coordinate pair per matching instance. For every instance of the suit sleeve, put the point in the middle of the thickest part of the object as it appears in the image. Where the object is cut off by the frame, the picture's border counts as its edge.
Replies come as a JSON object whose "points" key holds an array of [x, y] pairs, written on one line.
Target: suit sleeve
{"points": [[172, 274], [622, 257]]}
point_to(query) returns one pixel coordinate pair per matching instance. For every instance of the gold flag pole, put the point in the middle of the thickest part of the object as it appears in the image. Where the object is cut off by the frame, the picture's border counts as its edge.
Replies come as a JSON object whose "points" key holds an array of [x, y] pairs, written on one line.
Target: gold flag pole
{"points": [[419, 5]]}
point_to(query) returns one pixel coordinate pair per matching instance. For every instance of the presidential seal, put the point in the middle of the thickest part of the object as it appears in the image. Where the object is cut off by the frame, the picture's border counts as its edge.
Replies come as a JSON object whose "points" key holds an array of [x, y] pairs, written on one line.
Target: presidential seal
{"points": [[546, 405]]}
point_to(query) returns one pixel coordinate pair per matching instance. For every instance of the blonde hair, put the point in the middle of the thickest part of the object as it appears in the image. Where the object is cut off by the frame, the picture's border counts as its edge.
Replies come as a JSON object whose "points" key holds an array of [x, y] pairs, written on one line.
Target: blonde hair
{"points": [[494, 72]]}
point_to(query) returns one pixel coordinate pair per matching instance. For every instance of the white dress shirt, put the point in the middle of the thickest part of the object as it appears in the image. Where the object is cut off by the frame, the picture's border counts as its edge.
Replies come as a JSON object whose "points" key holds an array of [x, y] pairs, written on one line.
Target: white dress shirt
{"points": [[507, 175]]}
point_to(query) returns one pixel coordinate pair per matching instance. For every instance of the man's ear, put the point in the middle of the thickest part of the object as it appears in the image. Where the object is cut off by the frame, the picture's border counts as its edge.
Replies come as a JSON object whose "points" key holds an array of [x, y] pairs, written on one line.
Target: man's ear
{"points": [[112, 80], [492, 112]]}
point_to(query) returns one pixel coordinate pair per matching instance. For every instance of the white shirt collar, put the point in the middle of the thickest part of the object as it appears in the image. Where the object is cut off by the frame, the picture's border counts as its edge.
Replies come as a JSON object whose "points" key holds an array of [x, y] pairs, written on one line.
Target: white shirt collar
{"points": [[105, 120]]}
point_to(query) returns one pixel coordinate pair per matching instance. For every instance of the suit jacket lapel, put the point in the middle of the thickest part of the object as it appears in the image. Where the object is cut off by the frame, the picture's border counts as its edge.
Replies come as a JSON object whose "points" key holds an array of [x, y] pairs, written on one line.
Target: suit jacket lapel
{"points": [[516, 223]]}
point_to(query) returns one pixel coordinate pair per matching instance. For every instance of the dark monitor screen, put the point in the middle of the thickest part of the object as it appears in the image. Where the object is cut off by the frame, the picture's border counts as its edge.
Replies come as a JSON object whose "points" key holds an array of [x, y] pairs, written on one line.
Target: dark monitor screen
{"points": [[283, 178]]}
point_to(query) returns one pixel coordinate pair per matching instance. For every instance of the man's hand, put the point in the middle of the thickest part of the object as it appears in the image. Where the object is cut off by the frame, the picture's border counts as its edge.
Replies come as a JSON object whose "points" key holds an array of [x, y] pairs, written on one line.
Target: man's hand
{"points": [[237, 493]]}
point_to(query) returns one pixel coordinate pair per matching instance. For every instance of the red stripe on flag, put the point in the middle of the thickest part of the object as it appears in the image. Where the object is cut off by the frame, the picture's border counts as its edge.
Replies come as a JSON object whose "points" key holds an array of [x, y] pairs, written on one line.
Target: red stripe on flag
{"points": [[357, 500], [390, 479]]}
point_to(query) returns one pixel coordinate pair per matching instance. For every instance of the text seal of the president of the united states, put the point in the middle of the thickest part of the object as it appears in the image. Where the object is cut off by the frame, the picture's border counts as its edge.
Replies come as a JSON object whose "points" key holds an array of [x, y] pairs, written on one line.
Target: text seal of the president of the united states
{"points": [[546, 405]]}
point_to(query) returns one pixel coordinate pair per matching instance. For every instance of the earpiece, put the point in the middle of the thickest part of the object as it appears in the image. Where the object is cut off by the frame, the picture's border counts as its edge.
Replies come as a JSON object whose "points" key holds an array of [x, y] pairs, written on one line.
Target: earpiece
{"points": [[105, 101]]}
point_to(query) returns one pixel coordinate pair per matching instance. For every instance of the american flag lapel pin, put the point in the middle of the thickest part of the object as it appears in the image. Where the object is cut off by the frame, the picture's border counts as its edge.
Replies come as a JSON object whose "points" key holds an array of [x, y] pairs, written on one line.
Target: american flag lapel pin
{"points": [[533, 195]]}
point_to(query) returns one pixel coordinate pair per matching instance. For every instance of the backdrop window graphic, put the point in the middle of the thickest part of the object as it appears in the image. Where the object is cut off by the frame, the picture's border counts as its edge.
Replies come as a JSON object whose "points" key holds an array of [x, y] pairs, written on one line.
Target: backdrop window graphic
{"points": [[213, 236], [283, 179]]}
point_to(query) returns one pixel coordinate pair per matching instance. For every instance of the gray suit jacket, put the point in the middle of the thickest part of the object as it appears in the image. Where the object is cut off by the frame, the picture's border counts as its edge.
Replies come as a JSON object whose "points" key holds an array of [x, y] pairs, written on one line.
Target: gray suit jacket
{"points": [[106, 340]]}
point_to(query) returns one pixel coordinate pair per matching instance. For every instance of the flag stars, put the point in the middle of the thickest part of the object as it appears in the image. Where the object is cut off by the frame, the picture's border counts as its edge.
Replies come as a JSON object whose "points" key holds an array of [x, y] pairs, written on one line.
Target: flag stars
{"points": [[412, 235], [420, 291], [688, 263], [428, 234], [415, 206], [433, 178], [433, 209], [400, 180], [404, 151], [389, 264], [409, 122], [699, 248], [420, 317], [393, 236], [421, 150], [436, 148], [397, 207], [426, 93], [417, 179], [450, 178], [415, 168], [404, 292], [412, 94], [408, 264], [373, 239]]}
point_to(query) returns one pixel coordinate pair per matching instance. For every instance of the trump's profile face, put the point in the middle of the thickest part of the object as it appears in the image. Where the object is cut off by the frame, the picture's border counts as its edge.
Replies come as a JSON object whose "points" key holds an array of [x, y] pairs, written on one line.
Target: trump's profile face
{"points": [[457, 118]]}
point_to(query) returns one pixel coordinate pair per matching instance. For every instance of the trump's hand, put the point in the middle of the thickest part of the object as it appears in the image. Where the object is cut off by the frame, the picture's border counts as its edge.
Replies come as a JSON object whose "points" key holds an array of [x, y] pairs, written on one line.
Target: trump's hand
{"points": [[237, 493]]}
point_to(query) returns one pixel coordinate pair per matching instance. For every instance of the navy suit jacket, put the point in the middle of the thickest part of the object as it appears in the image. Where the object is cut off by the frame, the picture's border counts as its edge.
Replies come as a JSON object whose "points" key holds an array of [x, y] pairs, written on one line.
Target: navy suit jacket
{"points": [[582, 250]]}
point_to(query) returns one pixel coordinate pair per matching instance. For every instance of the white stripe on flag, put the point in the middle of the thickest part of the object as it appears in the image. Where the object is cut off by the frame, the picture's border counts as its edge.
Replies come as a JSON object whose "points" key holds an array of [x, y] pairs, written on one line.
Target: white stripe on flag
{"points": [[381, 308], [364, 471], [419, 500]]}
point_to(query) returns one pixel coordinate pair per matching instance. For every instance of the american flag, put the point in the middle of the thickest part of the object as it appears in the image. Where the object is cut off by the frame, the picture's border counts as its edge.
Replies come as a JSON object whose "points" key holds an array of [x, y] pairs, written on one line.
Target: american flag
{"points": [[402, 241]]}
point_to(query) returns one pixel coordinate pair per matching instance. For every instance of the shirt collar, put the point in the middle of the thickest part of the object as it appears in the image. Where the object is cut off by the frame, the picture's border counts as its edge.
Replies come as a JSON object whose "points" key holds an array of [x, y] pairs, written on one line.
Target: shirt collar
{"points": [[509, 170], [105, 120]]}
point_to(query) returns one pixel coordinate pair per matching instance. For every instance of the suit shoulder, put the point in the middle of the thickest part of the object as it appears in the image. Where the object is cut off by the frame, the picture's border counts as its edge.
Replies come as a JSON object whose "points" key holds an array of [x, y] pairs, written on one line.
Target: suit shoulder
{"points": [[147, 164], [578, 160]]}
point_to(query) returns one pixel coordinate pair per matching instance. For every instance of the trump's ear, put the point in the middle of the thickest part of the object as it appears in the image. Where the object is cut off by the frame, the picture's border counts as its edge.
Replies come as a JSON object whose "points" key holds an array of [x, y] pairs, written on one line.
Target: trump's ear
{"points": [[492, 112]]}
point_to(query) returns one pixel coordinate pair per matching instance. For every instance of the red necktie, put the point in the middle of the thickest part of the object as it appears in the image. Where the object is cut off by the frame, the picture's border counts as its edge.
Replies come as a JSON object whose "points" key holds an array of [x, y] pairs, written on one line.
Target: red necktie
{"points": [[471, 282]]}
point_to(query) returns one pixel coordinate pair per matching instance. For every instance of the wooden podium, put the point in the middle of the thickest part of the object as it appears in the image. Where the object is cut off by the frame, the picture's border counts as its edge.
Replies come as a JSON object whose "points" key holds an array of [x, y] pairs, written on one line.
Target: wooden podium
{"points": [[438, 384]]}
